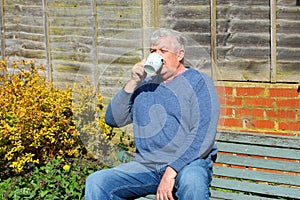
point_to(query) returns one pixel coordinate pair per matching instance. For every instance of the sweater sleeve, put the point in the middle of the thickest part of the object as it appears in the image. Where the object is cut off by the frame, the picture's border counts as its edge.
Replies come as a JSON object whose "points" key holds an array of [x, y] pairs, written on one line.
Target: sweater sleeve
{"points": [[203, 121], [118, 111]]}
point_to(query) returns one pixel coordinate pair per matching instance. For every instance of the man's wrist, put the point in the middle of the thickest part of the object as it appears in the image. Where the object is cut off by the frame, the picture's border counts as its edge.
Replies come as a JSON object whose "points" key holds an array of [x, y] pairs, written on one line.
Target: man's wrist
{"points": [[172, 173], [130, 86]]}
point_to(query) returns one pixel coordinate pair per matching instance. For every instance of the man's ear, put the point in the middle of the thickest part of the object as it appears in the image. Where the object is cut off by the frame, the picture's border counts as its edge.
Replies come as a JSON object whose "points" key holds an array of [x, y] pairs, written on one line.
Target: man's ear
{"points": [[181, 55]]}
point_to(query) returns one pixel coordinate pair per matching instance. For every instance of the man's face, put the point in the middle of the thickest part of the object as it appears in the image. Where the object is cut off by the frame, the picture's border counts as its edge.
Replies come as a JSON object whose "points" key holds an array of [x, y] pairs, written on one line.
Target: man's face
{"points": [[171, 58]]}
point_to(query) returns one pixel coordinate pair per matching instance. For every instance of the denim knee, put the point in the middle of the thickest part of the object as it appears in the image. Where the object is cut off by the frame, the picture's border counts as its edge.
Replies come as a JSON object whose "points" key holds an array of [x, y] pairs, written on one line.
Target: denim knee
{"points": [[193, 181], [95, 185], [96, 178]]}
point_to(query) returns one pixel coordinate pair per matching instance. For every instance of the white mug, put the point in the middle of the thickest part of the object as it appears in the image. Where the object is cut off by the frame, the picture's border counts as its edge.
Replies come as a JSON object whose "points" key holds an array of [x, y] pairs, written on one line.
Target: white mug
{"points": [[153, 63]]}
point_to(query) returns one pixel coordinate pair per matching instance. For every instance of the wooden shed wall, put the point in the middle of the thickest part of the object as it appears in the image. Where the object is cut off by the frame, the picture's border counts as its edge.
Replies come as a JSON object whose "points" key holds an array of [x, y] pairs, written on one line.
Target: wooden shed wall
{"points": [[255, 40]]}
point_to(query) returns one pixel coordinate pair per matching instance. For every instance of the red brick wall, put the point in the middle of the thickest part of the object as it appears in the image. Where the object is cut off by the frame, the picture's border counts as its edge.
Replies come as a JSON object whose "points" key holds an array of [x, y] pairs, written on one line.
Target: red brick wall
{"points": [[260, 107]]}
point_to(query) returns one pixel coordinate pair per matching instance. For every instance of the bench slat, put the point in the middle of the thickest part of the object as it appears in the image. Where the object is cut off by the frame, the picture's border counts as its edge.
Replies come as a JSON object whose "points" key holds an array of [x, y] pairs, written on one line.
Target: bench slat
{"points": [[148, 197], [259, 150], [259, 139], [258, 163], [256, 188], [257, 175], [216, 194]]}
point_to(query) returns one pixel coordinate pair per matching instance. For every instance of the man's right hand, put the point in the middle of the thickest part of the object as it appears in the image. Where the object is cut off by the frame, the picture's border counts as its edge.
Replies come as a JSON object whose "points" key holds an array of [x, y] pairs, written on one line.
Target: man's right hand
{"points": [[137, 75]]}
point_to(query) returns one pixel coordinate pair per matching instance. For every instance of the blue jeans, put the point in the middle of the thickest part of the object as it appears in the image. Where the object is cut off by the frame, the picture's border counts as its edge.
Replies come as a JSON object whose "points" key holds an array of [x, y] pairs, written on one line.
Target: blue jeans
{"points": [[132, 180]]}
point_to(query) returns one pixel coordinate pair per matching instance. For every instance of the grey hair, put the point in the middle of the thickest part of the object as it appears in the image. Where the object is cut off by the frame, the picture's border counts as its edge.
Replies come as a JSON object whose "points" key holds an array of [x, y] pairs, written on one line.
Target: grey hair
{"points": [[178, 44]]}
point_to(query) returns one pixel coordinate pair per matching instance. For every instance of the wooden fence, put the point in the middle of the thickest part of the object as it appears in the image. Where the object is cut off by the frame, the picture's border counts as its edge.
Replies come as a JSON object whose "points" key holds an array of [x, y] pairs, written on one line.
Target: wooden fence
{"points": [[251, 40]]}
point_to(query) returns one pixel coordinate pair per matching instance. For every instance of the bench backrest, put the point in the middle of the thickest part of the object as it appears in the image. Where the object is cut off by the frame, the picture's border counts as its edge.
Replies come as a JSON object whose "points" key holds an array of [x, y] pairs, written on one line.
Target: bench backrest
{"points": [[256, 166]]}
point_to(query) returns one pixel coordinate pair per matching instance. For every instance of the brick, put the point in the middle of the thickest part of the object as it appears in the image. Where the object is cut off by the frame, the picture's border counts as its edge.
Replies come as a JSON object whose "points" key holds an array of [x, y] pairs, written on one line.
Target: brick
{"points": [[232, 122], [250, 91], [222, 100], [264, 124], [283, 92], [293, 126], [248, 112], [226, 112], [284, 114], [264, 102], [221, 90], [221, 121], [288, 103], [231, 101]]}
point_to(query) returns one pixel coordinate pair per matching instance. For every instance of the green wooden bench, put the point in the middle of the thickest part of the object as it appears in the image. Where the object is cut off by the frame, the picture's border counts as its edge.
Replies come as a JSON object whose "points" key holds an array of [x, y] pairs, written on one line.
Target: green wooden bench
{"points": [[255, 166]]}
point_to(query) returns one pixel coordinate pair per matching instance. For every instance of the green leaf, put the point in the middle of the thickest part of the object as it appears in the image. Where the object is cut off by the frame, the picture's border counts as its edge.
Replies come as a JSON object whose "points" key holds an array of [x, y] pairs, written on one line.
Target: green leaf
{"points": [[44, 193]]}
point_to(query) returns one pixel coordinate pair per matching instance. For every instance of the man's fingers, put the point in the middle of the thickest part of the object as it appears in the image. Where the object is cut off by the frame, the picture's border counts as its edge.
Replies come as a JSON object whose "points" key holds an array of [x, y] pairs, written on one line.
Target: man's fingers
{"points": [[164, 196]]}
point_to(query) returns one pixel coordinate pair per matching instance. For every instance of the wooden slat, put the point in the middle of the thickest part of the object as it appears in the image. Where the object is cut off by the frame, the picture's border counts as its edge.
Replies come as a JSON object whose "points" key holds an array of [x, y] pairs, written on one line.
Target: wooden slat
{"points": [[148, 197], [259, 139], [257, 175], [216, 194], [2, 38], [259, 163], [259, 150], [273, 15], [256, 188]]}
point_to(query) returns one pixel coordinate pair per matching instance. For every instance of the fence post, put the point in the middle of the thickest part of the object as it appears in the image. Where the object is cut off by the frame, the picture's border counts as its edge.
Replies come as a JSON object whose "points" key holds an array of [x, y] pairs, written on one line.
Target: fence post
{"points": [[150, 12], [2, 30], [95, 39], [273, 18], [213, 43], [47, 41]]}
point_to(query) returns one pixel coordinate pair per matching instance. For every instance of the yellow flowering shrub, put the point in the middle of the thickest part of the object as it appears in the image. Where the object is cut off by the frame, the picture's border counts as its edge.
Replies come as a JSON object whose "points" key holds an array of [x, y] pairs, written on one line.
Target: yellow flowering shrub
{"points": [[36, 120], [39, 121], [95, 134]]}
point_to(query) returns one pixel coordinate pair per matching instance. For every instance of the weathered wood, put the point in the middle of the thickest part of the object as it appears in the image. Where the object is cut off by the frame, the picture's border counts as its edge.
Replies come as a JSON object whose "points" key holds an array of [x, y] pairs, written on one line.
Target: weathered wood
{"points": [[254, 188], [257, 175], [2, 38], [289, 40], [120, 13], [24, 3], [243, 12], [244, 70], [259, 150], [201, 26], [119, 3], [218, 195], [22, 10], [256, 165], [214, 38], [245, 2], [258, 139], [68, 3], [184, 2], [273, 17], [252, 40], [259, 163], [288, 70], [243, 46], [288, 27], [289, 13], [186, 12]]}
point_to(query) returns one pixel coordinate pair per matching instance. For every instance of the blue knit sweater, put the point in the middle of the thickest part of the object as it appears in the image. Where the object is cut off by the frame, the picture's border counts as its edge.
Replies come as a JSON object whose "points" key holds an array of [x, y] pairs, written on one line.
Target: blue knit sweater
{"points": [[174, 123]]}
